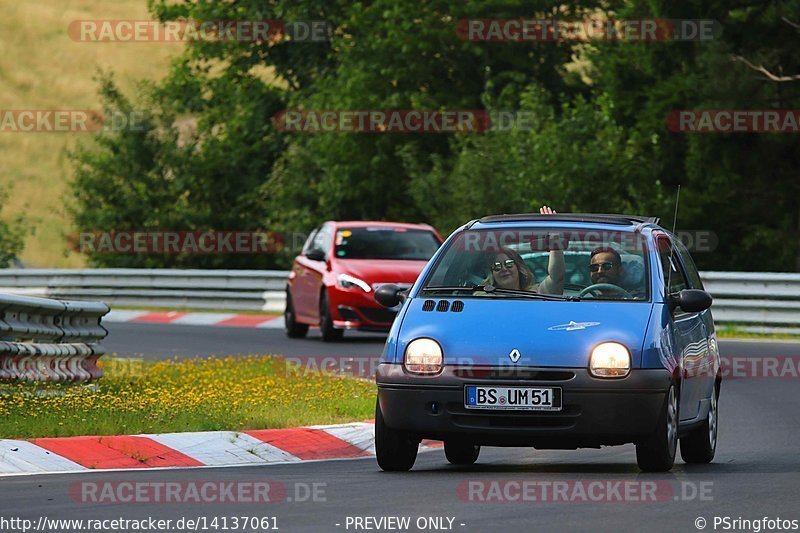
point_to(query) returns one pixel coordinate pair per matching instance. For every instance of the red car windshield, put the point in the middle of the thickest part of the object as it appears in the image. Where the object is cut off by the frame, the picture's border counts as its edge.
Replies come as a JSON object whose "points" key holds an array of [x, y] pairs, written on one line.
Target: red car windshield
{"points": [[385, 243]]}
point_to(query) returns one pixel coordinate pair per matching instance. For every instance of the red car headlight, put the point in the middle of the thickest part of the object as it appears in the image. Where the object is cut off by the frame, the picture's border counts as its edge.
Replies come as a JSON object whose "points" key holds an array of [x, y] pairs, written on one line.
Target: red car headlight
{"points": [[347, 281]]}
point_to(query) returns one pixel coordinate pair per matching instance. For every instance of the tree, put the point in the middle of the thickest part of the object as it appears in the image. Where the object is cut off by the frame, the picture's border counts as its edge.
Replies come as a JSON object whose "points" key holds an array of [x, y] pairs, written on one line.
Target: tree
{"points": [[12, 235], [599, 142], [158, 178], [742, 186], [395, 55], [575, 157]]}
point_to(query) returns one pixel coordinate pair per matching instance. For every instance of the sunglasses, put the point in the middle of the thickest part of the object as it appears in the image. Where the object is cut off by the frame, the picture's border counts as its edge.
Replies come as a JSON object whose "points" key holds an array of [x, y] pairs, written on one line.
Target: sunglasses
{"points": [[595, 267], [508, 264]]}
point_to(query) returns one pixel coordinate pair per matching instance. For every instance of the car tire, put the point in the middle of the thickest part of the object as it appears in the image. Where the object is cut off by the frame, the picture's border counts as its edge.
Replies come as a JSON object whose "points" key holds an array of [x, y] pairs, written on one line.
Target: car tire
{"points": [[293, 329], [395, 450], [657, 453], [329, 333], [461, 453], [700, 445]]}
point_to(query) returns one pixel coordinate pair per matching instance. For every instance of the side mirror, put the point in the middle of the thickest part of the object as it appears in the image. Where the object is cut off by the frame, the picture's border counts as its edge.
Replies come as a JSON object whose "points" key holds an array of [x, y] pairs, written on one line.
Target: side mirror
{"points": [[388, 295], [315, 255], [690, 300]]}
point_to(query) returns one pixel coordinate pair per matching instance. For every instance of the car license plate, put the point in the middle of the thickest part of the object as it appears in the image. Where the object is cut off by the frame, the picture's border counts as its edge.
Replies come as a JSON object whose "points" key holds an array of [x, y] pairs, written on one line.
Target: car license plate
{"points": [[512, 398]]}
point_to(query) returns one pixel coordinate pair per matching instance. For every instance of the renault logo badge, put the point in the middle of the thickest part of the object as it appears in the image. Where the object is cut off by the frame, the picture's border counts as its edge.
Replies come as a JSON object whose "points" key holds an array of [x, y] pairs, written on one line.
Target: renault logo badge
{"points": [[514, 355]]}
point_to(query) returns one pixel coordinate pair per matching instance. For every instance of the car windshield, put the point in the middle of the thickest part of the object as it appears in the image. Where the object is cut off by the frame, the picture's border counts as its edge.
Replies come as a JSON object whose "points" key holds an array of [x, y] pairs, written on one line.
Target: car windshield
{"points": [[385, 243], [543, 263]]}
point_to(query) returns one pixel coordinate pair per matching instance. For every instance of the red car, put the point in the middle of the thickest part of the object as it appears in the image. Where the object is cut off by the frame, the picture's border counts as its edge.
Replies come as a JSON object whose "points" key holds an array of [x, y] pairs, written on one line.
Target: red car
{"points": [[332, 283]]}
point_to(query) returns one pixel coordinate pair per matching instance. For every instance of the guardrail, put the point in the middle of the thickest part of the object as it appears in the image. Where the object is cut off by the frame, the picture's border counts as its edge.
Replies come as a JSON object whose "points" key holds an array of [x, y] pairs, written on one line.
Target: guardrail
{"points": [[50, 340], [768, 301], [244, 290], [760, 301]]}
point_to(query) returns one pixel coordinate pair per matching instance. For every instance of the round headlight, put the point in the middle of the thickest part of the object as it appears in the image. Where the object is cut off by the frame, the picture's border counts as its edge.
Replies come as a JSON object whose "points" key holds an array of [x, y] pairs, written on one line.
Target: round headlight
{"points": [[423, 356], [610, 360]]}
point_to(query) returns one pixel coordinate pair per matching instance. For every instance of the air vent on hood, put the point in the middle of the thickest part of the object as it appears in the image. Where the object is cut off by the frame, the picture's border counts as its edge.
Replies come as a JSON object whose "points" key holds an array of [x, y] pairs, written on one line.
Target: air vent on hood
{"points": [[443, 306], [457, 306], [428, 305]]}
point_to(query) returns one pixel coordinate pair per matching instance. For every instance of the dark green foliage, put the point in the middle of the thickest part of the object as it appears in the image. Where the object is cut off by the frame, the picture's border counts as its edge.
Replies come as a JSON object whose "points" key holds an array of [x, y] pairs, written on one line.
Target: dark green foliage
{"points": [[12, 235], [598, 143]]}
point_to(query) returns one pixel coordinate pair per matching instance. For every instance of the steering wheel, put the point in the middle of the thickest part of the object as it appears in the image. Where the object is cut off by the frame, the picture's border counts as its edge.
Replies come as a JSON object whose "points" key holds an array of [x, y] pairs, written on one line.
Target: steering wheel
{"points": [[597, 287]]}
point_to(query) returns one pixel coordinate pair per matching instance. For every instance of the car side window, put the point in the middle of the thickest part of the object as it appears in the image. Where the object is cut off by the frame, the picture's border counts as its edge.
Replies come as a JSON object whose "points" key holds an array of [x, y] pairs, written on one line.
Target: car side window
{"points": [[670, 266], [309, 241], [318, 243], [326, 238], [691, 268]]}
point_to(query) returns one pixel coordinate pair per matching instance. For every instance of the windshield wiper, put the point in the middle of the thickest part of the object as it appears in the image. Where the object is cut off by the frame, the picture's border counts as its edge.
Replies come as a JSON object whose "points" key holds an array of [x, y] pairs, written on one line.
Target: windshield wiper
{"points": [[534, 295], [472, 288], [491, 289]]}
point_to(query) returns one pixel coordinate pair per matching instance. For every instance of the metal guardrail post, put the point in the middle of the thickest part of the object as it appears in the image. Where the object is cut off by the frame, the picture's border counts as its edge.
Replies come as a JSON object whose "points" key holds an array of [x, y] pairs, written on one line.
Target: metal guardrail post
{"points": [[763, 299], [50, 340], [251, 290]]}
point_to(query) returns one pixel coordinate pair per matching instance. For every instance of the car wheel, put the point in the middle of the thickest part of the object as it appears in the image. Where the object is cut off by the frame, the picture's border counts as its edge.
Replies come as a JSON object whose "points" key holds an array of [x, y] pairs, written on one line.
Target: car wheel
{"points": [[461, 453], [657, 453], [396, 451], [329, 333], [700, 445], [293, 328]]}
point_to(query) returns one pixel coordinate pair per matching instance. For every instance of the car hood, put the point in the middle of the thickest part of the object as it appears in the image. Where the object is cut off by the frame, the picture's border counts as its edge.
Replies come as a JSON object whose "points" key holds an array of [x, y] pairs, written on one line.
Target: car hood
{"points": [[382, 270], [546, 333]]}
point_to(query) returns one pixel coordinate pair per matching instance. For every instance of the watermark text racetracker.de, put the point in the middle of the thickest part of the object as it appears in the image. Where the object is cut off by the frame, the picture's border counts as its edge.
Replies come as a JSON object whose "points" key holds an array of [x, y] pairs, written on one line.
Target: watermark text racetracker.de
{"points": [[178, 242], [402, 121], [193, 492], [748, 367], [572, 491], [317, 366], [69, 121], [598, 29], [537, 240], [730, 367], [734, 121], [174, 31]]}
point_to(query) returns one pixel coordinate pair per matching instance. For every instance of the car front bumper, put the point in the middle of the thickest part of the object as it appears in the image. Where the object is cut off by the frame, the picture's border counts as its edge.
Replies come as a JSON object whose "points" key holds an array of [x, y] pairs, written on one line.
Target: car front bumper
{"points": [[595, 412], [357, 310]]}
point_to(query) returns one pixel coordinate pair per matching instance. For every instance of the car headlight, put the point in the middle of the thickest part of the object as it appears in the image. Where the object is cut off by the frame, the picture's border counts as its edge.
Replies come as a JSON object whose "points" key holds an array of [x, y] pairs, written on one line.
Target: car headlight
{"points": [[610, 360], [423, 356], [349, 282]]}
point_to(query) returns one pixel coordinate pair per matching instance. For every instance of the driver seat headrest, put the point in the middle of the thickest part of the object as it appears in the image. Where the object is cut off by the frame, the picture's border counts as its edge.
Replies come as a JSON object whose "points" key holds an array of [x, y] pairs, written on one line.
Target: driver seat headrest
{"points": [[634, 271]]}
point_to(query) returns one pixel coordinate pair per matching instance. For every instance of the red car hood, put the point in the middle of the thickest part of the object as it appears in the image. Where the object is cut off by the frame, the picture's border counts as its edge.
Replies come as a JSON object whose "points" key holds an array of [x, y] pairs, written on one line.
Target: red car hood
{"points": [[381, 270]]}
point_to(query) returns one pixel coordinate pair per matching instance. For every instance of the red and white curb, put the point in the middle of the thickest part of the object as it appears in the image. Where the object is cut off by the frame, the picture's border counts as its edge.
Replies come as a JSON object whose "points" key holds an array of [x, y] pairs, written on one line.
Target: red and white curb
{"points": [[182, 450], [195, 319]]}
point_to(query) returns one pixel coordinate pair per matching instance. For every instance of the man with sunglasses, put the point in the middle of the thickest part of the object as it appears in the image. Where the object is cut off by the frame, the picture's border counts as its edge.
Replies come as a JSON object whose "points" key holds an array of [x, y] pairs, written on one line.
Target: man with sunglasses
{"points": [[605, 266]]}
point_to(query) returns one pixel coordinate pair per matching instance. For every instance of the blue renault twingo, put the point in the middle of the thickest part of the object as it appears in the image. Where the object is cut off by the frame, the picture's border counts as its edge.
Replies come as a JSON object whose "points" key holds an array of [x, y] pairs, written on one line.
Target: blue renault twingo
{"points": [[556, 332]]}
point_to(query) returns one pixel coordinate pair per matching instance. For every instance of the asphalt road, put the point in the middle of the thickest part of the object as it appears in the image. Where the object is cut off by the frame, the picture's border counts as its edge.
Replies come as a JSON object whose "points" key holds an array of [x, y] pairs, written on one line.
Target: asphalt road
{"points": [[160, 341], [756, 473]]}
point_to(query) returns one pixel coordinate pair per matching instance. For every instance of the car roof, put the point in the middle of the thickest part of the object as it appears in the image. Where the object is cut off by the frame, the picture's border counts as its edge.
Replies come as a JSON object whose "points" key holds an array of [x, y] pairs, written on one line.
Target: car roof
{"points": [[569, 220], [378, 223], [622, 220]]}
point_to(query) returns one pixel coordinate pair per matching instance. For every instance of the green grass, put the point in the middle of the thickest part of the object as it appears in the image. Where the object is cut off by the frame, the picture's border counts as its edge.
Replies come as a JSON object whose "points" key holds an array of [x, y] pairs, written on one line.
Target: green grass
{"points": [[137, 396], [734, 332], [42, 68]]}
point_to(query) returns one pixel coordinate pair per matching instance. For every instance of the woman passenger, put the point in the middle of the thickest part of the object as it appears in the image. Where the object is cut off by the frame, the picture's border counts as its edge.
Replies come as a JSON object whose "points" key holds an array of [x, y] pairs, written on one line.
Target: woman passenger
{"points": [[507, 270]]}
